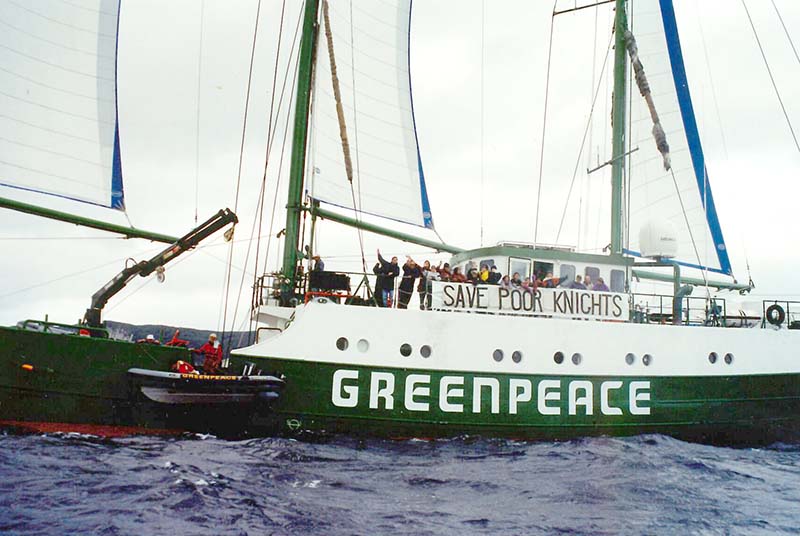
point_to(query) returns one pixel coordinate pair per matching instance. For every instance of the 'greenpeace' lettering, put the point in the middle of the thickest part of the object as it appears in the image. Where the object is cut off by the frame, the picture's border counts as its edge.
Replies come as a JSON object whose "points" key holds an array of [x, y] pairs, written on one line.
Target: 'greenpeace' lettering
{"points": [[486, 394]]}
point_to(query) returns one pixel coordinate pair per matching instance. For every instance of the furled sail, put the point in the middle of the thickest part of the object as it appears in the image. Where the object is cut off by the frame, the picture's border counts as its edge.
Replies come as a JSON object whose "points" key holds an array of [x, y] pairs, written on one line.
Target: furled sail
{"points": [[371, 47], [58, 102], [671, 185]]}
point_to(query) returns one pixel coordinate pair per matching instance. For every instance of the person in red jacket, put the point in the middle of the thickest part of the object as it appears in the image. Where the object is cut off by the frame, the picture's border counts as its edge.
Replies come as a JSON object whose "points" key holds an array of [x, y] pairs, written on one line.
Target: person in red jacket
{"points": [[212, 350]]}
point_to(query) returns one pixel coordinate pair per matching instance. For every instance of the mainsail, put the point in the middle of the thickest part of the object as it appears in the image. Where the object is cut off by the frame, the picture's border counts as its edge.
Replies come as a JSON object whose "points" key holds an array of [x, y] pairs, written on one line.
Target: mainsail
{"points": [[371, 45], [682, 193], [58, 104]]}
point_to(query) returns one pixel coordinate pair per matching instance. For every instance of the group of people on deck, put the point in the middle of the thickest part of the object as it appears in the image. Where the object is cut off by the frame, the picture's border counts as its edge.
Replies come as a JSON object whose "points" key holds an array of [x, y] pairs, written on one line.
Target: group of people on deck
{"points": [[387, 271]]}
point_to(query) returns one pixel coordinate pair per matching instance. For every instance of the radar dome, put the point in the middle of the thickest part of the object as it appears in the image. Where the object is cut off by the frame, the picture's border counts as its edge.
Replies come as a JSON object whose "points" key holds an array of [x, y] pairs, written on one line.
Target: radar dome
{"points": [[658, 239]]}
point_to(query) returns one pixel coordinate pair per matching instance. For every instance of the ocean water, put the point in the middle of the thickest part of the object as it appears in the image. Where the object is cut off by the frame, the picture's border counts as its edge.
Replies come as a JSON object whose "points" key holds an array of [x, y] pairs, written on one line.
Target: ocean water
{"points": [[68, 484]]}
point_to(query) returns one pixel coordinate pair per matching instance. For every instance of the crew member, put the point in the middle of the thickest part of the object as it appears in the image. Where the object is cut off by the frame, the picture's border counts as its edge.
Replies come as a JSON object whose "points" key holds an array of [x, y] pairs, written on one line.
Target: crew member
{"points": [[212, 352]]}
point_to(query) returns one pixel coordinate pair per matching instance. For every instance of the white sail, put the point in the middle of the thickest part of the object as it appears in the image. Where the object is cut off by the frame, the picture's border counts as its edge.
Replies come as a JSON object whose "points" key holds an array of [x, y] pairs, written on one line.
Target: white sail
{"points": [[681, 194], [58, 109], [371, 44]]}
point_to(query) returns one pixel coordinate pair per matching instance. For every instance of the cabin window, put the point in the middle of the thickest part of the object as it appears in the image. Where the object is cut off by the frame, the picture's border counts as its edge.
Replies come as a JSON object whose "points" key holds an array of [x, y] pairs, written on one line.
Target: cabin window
{"points": [[558, 357], [497, 355], [728, 358], [592, 272], [712, 357], [488, 263], [576, 359], [521, 266], [647, 359], [342, 343], [363, 345], [405, 349], [425, 351], [617, 283], [630, 358], [516, 357], [567, 272], [541, 269]]}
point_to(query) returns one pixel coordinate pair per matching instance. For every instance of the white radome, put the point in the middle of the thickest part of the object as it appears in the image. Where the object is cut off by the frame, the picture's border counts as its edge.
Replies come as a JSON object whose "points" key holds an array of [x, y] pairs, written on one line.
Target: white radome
{"points": [[658, 239]]}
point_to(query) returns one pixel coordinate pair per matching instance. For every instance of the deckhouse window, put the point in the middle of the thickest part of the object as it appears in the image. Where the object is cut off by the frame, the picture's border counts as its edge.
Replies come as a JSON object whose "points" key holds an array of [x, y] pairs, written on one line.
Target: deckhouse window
{"points": [[617, 281], [521, 266], [568, 271], [592, 272], [541, 269]]}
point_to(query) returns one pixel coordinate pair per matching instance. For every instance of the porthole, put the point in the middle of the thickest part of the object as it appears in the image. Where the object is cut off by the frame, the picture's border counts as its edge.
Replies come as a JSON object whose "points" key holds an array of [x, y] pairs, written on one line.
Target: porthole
{"points": [[516, 357], [498, 355], [728, 359], [712, 357], [405, 349], [425, 351], [342, 343], [558, 357], [647, 359], [576, 359], [630, 358], [362, 345]]}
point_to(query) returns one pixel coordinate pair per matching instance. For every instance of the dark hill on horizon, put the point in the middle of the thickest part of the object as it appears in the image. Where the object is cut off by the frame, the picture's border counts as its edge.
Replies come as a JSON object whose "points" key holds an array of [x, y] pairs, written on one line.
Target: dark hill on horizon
{"points": [[196, 337]]}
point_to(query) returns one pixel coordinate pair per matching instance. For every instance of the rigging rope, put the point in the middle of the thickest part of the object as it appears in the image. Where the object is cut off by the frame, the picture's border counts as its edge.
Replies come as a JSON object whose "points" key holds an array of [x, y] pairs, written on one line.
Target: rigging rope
{"points": [[544, 124], [359, 231], [713, 87], [583, 140], [689, 228], [772, 79], [263, 189], [67, 276], [279, 173], [786, 31], [483, 78], [239, 173], [584, 186]]}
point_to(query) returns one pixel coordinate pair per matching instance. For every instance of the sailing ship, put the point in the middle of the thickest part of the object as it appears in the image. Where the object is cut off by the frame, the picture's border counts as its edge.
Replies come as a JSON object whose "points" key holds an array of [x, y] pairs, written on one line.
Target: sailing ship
{"points": [[553, 364], [558, 363]]}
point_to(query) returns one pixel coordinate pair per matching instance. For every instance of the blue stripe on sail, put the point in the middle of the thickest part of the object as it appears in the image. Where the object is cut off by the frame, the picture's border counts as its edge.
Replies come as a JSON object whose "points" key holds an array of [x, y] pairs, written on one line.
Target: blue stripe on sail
{"points": [[681, 263], [117, 194], [426, 206], [692, 135]]}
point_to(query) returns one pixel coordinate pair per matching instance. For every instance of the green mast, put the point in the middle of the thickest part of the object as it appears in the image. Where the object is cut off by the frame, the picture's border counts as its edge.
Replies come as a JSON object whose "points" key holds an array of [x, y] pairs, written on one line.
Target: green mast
{"points": [[618, 121], [294, 205]]}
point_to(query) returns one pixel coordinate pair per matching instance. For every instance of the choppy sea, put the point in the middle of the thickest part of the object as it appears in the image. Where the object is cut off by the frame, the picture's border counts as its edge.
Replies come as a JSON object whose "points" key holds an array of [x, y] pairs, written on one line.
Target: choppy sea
{"points": [[71, 484]]}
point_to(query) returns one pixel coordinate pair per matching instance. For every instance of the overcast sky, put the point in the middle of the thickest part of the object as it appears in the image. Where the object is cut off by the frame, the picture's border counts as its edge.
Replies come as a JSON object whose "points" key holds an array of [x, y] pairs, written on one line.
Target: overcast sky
{"points": [[53, 268]]}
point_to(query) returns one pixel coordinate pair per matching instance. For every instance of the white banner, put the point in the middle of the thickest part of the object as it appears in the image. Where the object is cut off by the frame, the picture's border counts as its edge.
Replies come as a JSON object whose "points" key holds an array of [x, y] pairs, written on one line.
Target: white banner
{"points": [[544, 301]]}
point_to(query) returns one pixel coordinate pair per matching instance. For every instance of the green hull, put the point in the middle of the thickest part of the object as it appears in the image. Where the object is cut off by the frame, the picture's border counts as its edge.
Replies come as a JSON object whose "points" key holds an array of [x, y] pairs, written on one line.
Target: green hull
{"points": [[717, 409], [50, 378], [80, 380]]}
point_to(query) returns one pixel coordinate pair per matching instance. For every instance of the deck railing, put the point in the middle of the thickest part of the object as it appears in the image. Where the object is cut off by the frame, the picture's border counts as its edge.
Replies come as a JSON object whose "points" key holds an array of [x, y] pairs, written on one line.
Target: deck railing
{"points": [[644, 308]]}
